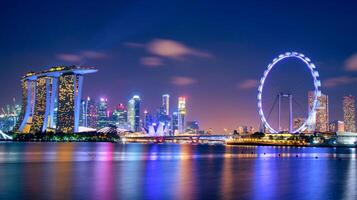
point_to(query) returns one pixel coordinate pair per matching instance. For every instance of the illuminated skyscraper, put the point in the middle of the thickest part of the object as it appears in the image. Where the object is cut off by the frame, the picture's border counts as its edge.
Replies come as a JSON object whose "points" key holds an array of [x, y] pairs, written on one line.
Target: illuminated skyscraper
{"points": [[102, 118], [182, 115], [92, 113], [28, 97], [148, 119], [84, 113], [320, 121], [174, 122], [69, 93], [166, 104], [39, 120], [120, 116], [349, 113], [51, 99], [134, 113]]}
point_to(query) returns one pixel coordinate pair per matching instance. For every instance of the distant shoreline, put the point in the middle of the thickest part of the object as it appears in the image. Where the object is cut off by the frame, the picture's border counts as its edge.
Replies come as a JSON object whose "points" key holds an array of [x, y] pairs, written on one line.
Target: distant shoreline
{"points": [[286, 145]]}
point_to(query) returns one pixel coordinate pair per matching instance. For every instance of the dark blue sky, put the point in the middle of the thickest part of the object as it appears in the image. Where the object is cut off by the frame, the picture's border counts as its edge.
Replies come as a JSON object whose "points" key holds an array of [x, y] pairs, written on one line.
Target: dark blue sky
{"points": [[210, 51]]}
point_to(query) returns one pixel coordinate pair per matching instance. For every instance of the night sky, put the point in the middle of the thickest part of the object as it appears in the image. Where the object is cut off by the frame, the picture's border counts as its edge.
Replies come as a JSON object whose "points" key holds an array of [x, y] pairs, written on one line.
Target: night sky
{"points": [[212, 52]]}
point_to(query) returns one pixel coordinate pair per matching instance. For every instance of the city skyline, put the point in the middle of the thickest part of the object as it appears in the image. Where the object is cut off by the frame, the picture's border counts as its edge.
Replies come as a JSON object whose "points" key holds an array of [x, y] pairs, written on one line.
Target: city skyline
{"points": [[40, 93], [178, 99], [189, 53]]}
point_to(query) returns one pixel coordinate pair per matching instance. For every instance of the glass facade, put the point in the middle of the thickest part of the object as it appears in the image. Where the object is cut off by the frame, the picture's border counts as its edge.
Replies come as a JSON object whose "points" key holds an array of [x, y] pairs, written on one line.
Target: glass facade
{"points": [[103, 118], [174, 122], [182, 115], [92, 114], [166, 104], [120, 117], [134, 113]]}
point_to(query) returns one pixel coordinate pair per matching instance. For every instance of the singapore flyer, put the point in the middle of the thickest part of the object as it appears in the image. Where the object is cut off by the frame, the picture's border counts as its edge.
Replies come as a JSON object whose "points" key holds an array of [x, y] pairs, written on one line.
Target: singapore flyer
{"points": [[316, 93]]}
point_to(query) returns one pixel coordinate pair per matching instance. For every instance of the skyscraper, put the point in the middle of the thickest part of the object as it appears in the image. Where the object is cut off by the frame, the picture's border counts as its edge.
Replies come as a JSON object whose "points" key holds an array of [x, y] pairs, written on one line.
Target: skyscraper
{"points": [[166, 104], [51, 99], [68, 100], [148, 120], [88, 113], [320, 121], [102, 119], [120, 116], [134, 113], [182, 115], [349, 113], [174, 122], [92, 113], [39, 118], [83, 120]]}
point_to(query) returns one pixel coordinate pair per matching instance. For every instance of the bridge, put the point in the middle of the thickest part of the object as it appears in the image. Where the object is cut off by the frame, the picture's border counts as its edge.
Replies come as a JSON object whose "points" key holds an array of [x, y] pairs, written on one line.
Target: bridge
{"points": [[191, 138]]}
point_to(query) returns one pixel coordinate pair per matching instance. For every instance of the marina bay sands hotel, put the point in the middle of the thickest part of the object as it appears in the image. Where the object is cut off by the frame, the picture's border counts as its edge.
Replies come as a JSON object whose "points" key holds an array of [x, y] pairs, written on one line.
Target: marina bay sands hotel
{"points": [[51, 100]]}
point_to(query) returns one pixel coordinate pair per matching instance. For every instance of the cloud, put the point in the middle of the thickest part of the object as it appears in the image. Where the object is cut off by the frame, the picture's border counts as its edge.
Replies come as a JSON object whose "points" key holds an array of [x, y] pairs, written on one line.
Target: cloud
{"points": [[79, 57], [133, 45], [338, 81], [93, 54], [248, 84], [69, 57], [182, 80], [173, 49], [351, 63], [151, 61]]}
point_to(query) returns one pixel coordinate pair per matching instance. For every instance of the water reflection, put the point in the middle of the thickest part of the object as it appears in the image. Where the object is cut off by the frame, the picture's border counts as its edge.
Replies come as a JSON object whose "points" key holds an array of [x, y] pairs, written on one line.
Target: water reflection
{"points": [[137, 171]]}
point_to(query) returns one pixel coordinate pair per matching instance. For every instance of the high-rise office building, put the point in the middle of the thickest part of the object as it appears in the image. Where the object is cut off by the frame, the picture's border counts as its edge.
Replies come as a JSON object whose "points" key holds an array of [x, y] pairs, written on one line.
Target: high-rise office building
{"points": [[102, 118], [120, 116], [161, 114], [83, 120], [92, 114], [148, 119], [174, 123], [320, 120], [134, 113], [88, 113], [82, 113], [182, 115], [166, 104], [349, 113], [337, 126]]}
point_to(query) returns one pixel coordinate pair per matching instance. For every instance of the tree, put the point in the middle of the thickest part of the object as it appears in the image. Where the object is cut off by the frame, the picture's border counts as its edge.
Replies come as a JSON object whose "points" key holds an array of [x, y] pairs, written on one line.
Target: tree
{"points": [[258, 135]]}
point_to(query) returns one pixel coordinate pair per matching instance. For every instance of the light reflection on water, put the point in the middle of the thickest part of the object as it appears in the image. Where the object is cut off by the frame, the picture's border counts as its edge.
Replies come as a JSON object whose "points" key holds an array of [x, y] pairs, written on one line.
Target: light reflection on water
{"points": [[162, 171]]}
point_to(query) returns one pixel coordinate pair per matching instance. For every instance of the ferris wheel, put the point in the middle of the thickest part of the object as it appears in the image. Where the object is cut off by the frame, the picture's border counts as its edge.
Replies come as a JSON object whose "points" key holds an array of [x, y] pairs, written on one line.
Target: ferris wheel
{"points": [[316, 92]]}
